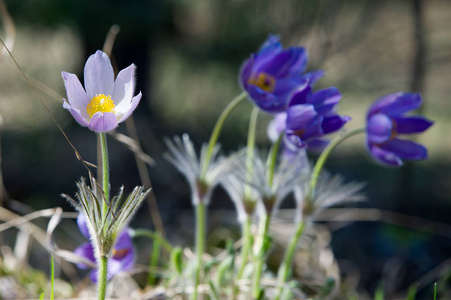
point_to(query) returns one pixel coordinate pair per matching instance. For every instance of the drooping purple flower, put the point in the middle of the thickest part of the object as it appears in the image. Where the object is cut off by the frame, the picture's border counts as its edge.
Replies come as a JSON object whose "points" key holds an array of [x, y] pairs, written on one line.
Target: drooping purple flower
{"points": [[386, 121], [308, 117], [106, 102], [122, 257], [271, 75]]}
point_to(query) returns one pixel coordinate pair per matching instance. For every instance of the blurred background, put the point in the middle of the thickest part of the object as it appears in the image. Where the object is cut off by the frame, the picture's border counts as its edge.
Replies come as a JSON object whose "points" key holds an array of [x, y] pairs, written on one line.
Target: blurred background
{"points": [[188, 54]]}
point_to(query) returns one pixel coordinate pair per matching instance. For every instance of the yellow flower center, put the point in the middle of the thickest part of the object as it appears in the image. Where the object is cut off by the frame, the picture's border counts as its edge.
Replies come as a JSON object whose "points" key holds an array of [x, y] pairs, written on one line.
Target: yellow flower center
{"points": [[100, 103], [264, 81]]}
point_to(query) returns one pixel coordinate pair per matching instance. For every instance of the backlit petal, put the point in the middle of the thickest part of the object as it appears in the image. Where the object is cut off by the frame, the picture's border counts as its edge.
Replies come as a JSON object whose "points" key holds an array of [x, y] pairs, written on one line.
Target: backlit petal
{"points": [[103, 122], [124, 86], [76, 95], [99, 75], [130, 108], [76, 114], [277, 126]]}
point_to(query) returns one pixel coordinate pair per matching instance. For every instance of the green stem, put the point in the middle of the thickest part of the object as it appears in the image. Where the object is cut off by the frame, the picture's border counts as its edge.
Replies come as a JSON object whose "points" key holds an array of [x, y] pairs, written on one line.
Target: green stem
{"points": [[154, 259], [105, 173], [251, 134], [102, 278], [272, 159], [259, 254], [217, 130], [200, 245], [52, 279], [285, 267], [245, 248], [323, 157]]}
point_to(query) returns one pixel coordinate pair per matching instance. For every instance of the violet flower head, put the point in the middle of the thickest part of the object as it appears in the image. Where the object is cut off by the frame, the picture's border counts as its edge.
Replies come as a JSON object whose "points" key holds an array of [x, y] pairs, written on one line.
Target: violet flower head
{"points": [[106, 102], [309, 116], [386, 120], [271, 75], [122, 257]]}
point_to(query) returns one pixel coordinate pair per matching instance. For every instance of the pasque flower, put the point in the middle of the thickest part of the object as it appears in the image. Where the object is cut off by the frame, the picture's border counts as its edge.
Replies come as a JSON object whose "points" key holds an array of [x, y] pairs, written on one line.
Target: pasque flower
{"points": [[270, 76], [386, 121], [106, 102], [308, 117], [122, 257]]}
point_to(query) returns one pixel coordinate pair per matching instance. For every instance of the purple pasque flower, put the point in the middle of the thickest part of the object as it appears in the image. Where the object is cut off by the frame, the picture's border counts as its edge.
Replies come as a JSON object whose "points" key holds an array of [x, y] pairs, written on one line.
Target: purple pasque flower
{"points": [[106, 102], [270, 76], [308, 117], [385, 121], [122, 257]]}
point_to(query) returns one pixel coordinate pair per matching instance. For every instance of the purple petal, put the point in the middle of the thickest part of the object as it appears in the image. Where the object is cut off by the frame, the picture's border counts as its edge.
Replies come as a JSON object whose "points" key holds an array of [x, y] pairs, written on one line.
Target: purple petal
{"points": [[290, 61], [301, 116], [277, 126], [82, 225], [87, 251], [246, 71], [405, 149], [384, 157], [99, 75], [333, 123], [124, 86], [293, 142], [379, 128], [313, 76], [271, 46], [409, 125], [103, 122], [131, 106], [396, 104], [76, 95], [76, 114], [300, 95], [325, 100], [266, 101], [124, 240]]}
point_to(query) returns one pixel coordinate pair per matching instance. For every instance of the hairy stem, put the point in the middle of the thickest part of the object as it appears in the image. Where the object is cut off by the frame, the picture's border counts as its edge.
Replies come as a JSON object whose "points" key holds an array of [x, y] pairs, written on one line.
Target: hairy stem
{"points": [[102, 277]]}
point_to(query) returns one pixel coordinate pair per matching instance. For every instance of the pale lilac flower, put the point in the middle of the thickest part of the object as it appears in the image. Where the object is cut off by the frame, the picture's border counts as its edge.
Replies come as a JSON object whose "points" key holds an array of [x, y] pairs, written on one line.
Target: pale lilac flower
{"points": [[104, 102]]}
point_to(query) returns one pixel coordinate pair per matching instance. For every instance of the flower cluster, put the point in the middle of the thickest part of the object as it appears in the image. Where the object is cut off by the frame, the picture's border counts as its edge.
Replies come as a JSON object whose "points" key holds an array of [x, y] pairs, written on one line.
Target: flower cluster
{"points": [[274, 80]]}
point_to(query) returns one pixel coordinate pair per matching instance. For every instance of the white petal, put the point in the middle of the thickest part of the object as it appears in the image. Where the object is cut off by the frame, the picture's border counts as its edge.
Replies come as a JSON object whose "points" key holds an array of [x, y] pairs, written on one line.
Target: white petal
{"points": [[99, 75], [124, 87]]}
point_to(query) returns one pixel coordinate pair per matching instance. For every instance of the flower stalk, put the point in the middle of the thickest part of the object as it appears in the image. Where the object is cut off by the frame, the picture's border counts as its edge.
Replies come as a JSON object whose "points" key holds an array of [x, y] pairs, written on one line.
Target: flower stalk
{"points": [[105, 173], [217, 130], [102, 277], [200, 245]]}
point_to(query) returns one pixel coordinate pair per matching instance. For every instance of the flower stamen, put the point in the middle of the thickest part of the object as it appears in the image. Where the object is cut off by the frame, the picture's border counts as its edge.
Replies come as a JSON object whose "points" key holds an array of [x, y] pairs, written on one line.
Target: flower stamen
{"points": [[100, 103], [264, 81]]}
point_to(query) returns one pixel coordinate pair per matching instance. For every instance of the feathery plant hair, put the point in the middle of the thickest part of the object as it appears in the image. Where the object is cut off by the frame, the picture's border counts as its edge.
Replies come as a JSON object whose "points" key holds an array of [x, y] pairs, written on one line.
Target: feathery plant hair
{"points": [[330, 190], [183, 156], [104, 230], [289, 172]]}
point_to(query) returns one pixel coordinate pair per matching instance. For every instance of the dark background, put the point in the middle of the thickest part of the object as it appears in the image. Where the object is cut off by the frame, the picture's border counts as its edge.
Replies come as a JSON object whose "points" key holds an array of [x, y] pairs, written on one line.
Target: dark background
{"points": [[188, 54]]}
